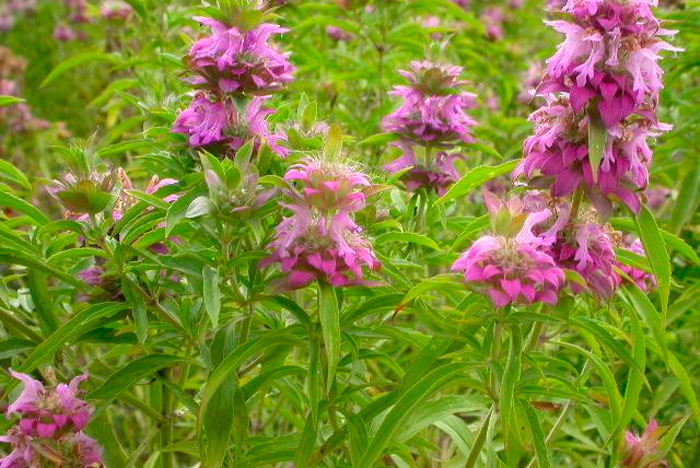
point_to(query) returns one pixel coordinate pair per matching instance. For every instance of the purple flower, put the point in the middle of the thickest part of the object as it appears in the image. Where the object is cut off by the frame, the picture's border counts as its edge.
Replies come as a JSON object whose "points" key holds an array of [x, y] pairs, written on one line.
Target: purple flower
{"points": [[230, 60], [64, 33], [641, 451], [321, 240], [556, 156], [493, 21], [610, 52], [125, 201], [433, 107], [208, 122], [47, 413], [438, 174], [512, 268], [92, 276]]}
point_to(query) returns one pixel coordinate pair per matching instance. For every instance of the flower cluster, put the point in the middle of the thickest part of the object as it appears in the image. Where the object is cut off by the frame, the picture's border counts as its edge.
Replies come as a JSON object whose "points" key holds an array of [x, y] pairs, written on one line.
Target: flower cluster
{"points": [[50, 427], [607, 74], [321, 239], [231, 63], [432, 115], [513, 265]]}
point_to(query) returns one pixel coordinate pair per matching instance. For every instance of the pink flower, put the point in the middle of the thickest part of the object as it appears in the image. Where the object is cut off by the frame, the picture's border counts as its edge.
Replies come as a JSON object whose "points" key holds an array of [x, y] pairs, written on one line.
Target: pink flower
{"points": [[493, 20], [208, 122], [64, 33], [321, 240], [556, 156], [437, 174], [48, 413], [433, 107], [513, 269], [641, 451], [230, 60], [125, 201], [644, 280]]}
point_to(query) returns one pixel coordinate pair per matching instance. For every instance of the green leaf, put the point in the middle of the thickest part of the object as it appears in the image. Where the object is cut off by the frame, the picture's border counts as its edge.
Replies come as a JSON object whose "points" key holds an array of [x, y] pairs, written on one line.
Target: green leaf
{"points": [[334, 143], [687, 201], [436, 283], [17, 204], [644, 307], [132, 373], [479, 441], [6, 101], [77, 61], [329, 315], [635, 379], [407, 237], [475, 178], [537, 434], [211, 293], [406, 404], [11, 174], [597, 138], [655, 249], [82, 322], [378, 139], [506, 400]]}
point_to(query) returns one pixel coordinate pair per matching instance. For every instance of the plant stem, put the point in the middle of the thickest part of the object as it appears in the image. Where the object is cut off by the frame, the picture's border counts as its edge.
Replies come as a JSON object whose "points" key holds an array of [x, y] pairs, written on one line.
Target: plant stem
{"points": [[166, 434], [576, 204], [534, 337], [495, 357]]}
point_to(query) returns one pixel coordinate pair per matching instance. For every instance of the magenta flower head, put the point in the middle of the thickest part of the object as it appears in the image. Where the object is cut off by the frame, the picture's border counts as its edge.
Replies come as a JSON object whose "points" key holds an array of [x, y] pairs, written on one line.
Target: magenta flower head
{"points": [[438, 173], [48, 413], [493, 21], [64, 33], [556, 156], [642, 451], [338, 34], [644, 280], [512, 265], [220, 125], [321, 239], [434, 108], [610, 53], [233, 60], [586, 247]]}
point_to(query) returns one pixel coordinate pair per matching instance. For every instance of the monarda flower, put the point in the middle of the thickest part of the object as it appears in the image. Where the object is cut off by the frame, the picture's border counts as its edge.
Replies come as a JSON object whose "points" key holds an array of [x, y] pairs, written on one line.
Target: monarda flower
{"points": [[493, 21], [644, 280], [610, 53], [586, 248], [433, 107], [219, 124], [49, 412], [338, 34], [125, 201], [438, 174], [84, 194], [556, 156], [231, 60], [512, 265], [321, 240], [642, 451]]}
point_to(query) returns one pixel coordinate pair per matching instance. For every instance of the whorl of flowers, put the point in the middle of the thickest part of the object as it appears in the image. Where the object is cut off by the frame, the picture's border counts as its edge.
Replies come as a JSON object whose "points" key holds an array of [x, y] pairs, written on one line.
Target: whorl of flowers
{"points": [[641, 451], [233, 60], [557, 155], [438, 174], [610, 56], [512, 265], [644, 280], [49, 429], [83, 195], [586, 247], [221, 124], [321, 239], [433, 107], [432, 115]]}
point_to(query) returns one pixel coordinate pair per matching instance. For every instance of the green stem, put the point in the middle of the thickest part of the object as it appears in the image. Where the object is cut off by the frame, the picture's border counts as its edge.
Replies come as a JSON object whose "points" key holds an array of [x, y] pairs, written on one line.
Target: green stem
{"points": [[166, 435], [576, 204], [534, 337], [495, 357]]}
